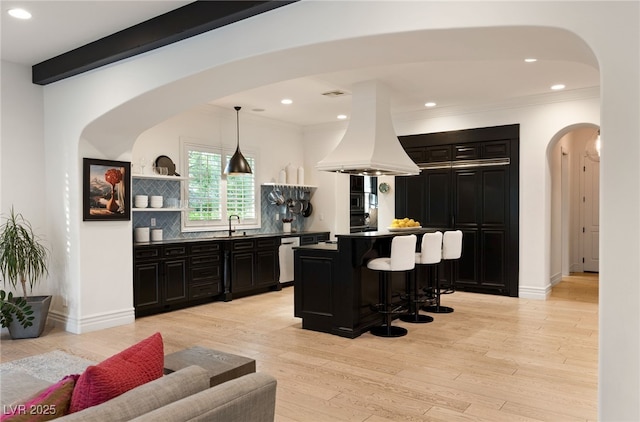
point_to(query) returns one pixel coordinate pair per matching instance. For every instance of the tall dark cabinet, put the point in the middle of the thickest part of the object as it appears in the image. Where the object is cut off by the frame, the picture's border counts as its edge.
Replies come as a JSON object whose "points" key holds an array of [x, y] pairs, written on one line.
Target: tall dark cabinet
{"points": [[469, 182]]}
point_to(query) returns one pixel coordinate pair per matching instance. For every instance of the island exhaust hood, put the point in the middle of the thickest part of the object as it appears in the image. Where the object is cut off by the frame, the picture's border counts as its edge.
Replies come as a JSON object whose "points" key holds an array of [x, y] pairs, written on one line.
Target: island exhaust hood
{"points": [[370, 145]]}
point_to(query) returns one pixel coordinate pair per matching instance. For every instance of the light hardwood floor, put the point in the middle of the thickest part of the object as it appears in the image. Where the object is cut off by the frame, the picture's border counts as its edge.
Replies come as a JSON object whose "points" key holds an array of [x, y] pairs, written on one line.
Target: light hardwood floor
{"points": [[493, 359]]}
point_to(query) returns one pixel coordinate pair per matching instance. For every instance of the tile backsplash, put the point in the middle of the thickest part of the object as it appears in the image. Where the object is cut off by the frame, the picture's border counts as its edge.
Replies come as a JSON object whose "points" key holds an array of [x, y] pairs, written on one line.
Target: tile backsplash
{"points": [[170, 221]]}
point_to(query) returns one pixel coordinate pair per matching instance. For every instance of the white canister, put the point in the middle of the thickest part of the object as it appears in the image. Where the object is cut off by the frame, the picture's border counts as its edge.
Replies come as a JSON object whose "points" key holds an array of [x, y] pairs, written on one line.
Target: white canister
{"points": [[156, 201], [291, 174], [282, 176], [141, 201], [156, 235], [286, 227], [141, 234], [301, 175]]}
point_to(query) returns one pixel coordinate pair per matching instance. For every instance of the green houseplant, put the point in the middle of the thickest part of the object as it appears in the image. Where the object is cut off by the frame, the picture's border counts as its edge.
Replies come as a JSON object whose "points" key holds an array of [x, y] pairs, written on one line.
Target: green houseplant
{"points": [[23, 260], [14, 308]]}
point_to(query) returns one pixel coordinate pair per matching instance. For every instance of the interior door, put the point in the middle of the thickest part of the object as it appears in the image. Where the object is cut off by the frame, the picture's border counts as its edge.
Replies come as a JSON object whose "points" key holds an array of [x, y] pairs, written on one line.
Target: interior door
{"points": [[591, 228]]}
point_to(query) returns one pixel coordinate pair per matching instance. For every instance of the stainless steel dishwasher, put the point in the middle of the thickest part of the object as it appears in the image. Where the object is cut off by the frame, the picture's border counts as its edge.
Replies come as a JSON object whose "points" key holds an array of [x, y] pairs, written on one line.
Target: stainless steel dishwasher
{"points": [[286, 257]]}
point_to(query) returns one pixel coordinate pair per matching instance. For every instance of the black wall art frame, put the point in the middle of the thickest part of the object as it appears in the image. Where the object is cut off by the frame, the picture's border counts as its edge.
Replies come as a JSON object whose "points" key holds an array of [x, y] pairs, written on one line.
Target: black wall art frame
{"points": [[106, 190]]}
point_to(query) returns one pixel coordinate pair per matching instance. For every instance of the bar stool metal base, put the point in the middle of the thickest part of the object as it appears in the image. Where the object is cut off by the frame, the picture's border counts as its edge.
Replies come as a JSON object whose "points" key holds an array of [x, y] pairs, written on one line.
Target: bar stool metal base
{"points": [[416, 318], [388, 331], [437, 309]]}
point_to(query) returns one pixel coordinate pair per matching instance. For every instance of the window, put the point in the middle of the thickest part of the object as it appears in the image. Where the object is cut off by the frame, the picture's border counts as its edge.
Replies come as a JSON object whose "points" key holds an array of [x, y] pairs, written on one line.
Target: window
{"points": [[213, 196]]}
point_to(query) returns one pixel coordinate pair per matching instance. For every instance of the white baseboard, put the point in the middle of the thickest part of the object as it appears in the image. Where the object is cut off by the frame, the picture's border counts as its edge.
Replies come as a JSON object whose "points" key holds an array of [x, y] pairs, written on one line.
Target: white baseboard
{"points": [[538, 293], [92, 322], [555, 279], [576, 268]]}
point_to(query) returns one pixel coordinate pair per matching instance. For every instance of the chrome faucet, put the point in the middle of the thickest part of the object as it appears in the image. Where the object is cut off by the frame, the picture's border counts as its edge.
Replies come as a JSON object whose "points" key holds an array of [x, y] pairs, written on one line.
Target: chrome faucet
{"points": [[230, 217]]}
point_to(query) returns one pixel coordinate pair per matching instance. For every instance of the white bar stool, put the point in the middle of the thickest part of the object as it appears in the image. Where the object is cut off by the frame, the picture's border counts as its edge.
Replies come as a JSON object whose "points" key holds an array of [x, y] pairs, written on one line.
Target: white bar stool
{"points": [[430, 254], [402, 258], [451, 250]]}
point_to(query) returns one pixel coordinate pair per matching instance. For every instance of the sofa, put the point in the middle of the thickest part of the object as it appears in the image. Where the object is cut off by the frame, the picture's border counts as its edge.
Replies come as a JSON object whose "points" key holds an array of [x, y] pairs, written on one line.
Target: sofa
{"points": [[184, 395]]}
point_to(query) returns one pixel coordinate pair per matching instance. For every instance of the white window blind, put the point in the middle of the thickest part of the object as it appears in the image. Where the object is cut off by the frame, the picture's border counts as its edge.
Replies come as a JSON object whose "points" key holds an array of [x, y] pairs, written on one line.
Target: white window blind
{"points": [[205, 168], [241, 193], [212, 196]]}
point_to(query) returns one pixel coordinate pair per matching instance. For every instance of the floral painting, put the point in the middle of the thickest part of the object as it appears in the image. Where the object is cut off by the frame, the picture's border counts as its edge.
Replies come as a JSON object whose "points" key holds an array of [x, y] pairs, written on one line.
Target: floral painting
{"points": [[106, 190]]}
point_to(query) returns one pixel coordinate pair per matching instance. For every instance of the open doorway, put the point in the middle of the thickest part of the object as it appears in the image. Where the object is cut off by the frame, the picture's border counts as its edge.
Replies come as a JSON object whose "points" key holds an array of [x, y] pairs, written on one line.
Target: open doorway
{"points": [[575, 188]]}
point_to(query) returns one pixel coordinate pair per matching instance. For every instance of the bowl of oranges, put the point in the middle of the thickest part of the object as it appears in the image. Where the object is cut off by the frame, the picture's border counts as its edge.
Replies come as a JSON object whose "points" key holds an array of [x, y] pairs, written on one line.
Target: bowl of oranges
{"points": [[403, 224]]}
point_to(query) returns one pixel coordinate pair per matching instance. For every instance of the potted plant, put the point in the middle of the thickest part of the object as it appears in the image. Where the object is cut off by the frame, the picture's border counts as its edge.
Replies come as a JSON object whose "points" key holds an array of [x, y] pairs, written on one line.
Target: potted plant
{"points": [[23, 259], [17, 308]]}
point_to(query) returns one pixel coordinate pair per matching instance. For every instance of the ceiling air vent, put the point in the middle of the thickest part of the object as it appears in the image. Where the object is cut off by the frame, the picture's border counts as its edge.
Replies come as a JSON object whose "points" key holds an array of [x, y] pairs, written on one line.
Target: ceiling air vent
{"points": [[333, 94]]}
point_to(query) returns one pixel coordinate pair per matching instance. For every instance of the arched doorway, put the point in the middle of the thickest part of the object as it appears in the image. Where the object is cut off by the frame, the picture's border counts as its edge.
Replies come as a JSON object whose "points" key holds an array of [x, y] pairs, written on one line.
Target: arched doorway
{"points": [[574, 237]]}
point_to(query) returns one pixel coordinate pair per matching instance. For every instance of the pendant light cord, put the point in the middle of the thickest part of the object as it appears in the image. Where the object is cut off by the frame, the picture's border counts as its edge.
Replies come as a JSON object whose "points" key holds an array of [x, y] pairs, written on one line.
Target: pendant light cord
{"points": [[238, 126]]}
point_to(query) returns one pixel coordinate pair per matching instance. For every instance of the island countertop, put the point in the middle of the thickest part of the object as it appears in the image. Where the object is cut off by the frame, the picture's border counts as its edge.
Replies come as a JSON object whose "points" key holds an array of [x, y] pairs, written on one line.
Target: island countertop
{"points": [[388, 233]]}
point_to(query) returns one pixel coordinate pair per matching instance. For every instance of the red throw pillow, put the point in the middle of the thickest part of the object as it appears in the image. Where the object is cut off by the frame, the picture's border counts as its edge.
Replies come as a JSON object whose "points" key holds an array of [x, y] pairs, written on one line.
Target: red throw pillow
{"points": [[48, 404], [137, 365]]}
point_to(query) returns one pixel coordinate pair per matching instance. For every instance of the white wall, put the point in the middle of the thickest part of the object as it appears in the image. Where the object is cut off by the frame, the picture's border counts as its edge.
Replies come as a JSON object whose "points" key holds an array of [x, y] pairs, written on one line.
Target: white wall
{"points": [[103, 112], [22, 154], [275, 143]]}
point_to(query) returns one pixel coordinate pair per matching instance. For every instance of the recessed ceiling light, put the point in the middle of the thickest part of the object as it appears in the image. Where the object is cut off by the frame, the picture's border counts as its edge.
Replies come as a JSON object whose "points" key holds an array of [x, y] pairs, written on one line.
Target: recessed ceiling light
{"points": [[558, 87], [19, 13], [531, 60], [430, 104], [342, 116], [286, 101]]}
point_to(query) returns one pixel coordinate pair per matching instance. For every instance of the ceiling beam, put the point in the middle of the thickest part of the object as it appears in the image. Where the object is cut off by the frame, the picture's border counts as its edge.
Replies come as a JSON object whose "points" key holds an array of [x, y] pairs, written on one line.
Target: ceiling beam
{"points": [[187, 21]]}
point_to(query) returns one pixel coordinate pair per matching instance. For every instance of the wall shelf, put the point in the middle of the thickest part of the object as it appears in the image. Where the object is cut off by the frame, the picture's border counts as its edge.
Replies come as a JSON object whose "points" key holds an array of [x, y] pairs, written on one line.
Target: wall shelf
{"points": [[158, 176], [149, 209], [287, 185]]}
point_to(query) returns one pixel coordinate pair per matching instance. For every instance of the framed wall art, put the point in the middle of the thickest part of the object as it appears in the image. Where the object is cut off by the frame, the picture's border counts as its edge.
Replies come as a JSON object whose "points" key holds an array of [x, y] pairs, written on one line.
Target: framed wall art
{"points": [[106, 190]]}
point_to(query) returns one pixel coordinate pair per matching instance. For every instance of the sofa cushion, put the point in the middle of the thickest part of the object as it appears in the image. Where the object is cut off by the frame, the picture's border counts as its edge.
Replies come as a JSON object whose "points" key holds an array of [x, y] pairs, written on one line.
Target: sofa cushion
{"points": [[46, 405], [137, 365], [147, 397], [250, 398]]}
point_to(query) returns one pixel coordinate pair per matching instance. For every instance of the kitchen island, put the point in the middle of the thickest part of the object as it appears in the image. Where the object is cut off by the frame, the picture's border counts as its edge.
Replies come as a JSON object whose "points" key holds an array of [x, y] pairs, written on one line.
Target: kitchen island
{"points": [[334, 289]]}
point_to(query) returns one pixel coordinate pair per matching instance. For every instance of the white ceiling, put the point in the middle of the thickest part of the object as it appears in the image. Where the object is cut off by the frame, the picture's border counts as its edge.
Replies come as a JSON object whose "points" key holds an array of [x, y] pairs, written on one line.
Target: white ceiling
{"points": [[461, 70]]}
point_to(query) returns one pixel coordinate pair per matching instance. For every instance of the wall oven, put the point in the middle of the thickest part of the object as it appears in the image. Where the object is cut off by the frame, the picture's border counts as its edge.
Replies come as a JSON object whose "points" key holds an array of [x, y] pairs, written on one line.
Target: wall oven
{"points": [[357, 203]]}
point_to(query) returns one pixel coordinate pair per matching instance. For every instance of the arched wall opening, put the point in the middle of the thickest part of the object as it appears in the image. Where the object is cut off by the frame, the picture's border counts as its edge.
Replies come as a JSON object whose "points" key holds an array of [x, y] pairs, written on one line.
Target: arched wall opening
{"points": [[573, 199], [113, 133]]}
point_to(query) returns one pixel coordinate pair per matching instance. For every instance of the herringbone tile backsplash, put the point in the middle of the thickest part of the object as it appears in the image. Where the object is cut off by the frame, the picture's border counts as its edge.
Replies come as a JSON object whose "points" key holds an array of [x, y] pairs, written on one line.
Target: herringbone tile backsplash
{"points": [[170, 223]]}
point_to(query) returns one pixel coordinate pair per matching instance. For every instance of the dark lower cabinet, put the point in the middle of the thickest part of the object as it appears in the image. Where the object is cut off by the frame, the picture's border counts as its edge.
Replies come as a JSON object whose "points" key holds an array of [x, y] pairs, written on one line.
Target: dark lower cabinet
{"points": [[146, 287], [175, 281], [205, 270], [267, 263], [175, 275], [159, 278], [242, 271], [312, 239], [254, 265]]}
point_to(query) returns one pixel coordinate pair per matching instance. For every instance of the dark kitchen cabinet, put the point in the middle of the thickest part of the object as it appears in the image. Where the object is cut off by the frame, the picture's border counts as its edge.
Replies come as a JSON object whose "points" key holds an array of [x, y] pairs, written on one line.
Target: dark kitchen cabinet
{"points": [[357, 184], [475, 192], [160, 278], [312, 239], [205, 270], [254, 264], [267, 265], [481, 199]]}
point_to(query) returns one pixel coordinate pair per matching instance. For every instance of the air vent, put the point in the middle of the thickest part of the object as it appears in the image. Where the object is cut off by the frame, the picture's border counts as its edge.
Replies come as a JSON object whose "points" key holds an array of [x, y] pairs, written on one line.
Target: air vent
{"points": [[333, 94]]}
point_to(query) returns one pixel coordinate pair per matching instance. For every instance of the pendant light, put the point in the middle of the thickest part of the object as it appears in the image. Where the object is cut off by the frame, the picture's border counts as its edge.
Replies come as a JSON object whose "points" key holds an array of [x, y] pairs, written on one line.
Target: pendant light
{"points": [[238, 164]]}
